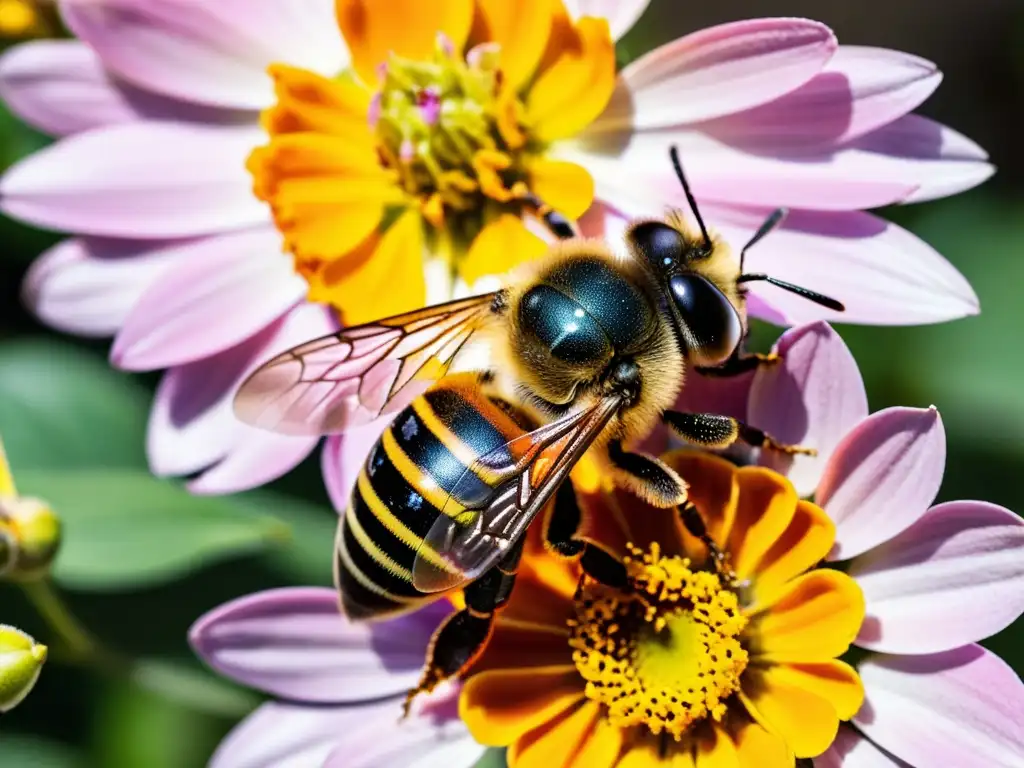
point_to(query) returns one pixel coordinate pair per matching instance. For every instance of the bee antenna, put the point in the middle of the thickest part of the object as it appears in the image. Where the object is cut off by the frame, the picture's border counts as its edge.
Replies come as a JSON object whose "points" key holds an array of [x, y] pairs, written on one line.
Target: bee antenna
{"points": [[767, 226], [673, 152], [817, 298]]}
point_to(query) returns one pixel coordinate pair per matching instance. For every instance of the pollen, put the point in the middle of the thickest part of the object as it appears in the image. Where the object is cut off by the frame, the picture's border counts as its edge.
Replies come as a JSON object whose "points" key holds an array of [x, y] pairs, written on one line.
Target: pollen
{"points": [[668, 653]]}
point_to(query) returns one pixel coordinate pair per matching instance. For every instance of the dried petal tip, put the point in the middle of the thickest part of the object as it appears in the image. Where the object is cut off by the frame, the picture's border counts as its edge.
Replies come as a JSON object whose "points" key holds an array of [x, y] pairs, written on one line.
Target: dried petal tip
{"points": [[30, 535], [21, 659]]}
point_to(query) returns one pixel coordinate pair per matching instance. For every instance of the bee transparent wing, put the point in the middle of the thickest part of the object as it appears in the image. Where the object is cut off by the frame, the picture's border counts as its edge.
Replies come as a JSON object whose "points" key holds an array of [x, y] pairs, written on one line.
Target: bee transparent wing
{"points": [[351, 377], [473, 531]]}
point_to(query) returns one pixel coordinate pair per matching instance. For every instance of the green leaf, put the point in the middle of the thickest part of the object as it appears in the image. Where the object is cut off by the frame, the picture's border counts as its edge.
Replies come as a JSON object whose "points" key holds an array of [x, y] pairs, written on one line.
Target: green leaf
{"points": [[124, 529], [61, 406], [191, 687], [22, 751]]}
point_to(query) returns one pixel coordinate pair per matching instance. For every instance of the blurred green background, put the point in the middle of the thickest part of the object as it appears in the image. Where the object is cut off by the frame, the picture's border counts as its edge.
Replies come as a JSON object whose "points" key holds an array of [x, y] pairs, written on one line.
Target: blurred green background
{"points": [[75, 429]]}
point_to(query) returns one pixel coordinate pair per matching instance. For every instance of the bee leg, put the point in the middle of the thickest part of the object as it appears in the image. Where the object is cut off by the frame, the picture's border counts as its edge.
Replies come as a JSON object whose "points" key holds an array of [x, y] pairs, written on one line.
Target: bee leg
{"points": [[559, 226], [694, 523], [709, 430], [739, 363], [462, 637], [647, 477]]}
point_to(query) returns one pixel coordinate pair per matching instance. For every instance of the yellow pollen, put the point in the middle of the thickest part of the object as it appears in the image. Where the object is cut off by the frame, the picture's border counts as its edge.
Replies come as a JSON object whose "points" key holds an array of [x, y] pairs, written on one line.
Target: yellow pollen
{"points": [[666, 656]]}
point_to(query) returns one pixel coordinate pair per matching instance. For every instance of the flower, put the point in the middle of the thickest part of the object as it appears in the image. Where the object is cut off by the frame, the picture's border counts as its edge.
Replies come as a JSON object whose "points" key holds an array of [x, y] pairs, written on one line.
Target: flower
{"points": [[21, 661], [157, 107], [342, 684], [936, 579], [690, 666], [30, 532], [27, 18]]}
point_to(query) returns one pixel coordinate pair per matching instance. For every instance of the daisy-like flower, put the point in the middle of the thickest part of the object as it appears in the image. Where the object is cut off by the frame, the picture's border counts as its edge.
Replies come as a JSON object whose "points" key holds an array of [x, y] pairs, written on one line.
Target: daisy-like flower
{"points": [[342, 685], [690, 666], [198, 139]]}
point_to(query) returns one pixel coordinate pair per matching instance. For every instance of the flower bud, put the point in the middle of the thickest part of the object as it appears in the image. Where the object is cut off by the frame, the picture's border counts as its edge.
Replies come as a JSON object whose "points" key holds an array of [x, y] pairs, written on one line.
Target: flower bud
{"points": [[21, 659], [29, 537]]}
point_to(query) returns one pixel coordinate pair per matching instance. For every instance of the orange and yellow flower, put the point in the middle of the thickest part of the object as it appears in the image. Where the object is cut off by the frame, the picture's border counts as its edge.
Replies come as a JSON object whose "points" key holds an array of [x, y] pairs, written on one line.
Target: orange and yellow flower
{"points": [[434, 139], [692, 667]]}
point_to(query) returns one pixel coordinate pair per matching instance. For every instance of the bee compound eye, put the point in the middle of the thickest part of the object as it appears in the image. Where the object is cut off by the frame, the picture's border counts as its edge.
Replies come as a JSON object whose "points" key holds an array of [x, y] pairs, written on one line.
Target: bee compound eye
{"points": [[711, 325]]}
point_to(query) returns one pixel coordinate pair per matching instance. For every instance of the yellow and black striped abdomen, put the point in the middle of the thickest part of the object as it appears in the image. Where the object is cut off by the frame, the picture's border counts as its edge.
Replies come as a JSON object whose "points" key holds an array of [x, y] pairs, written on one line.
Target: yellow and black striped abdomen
{"points": [[404, 486]]}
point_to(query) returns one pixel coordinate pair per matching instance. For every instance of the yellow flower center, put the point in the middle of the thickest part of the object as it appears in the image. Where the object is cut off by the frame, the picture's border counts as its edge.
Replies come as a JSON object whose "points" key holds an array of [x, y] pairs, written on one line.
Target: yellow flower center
{"points": [[17, 17], [666, 656]]}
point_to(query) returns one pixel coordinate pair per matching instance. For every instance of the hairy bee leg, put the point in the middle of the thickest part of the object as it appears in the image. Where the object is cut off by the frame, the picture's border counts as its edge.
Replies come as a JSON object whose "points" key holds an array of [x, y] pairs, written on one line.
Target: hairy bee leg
{"points": [[558, 224], [710, 430], [462, 637], [647, 477], [739, 363]]}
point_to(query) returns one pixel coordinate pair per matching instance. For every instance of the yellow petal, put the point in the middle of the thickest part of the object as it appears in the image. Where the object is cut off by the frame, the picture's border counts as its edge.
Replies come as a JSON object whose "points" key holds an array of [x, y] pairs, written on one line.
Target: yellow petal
{"points": [[500, 706], [814, 618], [502, 244], [575, 89], [715, 749], [601, 747], [307, 101], [374, 29], [566, 187], [804, 720], [767, 502], [6, 477], [757, 748], [516, 645], [363, 285], [806, 540], [641, 753], [521, 28], [555, 744]]}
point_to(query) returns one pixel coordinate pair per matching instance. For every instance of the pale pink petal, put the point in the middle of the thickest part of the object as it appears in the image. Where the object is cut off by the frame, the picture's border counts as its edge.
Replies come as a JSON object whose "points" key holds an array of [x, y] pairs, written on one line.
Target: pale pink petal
{"points": [[295, 643], [851, 750], [221, 291], [954, 577], [141, 180], [812, 398], [343, 457], [88, 285], [256, 458], [281, 735], [621, 14], [959, 708], [715, 72], [61, 87], [882, 477], [882, 273], [859, 90], [210, 52], [192, 424]]}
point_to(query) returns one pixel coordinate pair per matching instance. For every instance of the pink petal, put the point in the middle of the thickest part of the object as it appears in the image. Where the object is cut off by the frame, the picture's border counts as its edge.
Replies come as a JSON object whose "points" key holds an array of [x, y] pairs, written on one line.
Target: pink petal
{"points": [[859, 90], [295, 643], [812, 398], [294, 736], [255, 459], [61, 87], [141, 180], [882, 273], [954, 577], [344, 456], [210, 52], [221, 291], [88, 286], [851, 750], [882, 477], [715, 72], [621, 14], [959, 708]]}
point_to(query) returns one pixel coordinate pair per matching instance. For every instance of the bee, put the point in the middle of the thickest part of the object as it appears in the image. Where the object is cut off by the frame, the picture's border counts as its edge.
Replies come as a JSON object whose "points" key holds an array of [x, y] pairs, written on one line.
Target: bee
{"points": [[589, 350]]}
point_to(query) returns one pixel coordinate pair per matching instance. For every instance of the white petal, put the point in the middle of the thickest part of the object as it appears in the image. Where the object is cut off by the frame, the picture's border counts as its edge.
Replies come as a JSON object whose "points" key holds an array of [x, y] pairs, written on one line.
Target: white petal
{"points": [[852, 750]]}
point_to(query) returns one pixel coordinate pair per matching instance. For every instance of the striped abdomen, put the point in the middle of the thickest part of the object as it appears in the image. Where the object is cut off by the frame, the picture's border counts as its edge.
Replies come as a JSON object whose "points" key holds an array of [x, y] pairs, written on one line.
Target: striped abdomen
{"points": [[404, 486]]}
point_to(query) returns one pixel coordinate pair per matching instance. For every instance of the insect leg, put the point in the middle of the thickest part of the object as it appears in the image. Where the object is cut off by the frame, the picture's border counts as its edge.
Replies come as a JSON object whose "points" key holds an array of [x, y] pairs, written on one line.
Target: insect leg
{"points": [[710, 430], [739, 363], [694, 523], [462, 637], [649, 478], [560, 226], [560, 532]]}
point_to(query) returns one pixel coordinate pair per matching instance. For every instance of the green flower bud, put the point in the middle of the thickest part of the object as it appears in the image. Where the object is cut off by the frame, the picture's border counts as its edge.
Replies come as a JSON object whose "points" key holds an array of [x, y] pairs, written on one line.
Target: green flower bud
{"points": [[30, 535], [21, 659]]}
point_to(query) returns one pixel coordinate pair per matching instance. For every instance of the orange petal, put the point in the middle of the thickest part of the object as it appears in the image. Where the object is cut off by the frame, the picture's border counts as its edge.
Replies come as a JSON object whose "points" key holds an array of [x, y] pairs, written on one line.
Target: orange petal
{"points": [[804, 720], [555, 744], [756, 748], [6, 476], [715, 749], [408, 28], [307, 101], [520, 28], [516, 645], [835, 681], [543, 592], [814, 618], [766, 504], [501, 705], [566, 187], [805, 542], [363, 284], [575, 89], [601, 747], [604, 522], [713, 489], [502, 244]]}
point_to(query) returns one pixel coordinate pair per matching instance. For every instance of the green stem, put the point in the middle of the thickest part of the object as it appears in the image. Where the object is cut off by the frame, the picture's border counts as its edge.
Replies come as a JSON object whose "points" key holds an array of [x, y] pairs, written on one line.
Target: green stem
{"points": [[79, 644]]}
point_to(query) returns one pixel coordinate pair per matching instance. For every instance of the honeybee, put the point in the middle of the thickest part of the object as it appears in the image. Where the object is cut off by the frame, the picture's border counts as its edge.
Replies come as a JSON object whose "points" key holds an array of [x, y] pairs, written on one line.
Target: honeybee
{"points": [[589, 350]]}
